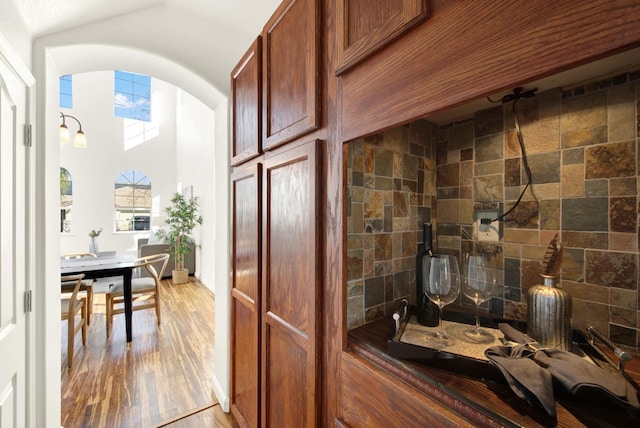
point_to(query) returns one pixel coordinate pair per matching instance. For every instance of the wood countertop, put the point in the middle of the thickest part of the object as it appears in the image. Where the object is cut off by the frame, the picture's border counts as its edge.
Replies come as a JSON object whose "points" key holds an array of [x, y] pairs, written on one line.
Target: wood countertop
{"points": [[480, 392]]}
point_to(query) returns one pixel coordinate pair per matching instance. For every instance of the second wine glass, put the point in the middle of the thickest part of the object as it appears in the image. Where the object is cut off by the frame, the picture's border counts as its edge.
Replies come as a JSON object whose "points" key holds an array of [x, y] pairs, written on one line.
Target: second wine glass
{"points": [[480, 284], [443, 285]]}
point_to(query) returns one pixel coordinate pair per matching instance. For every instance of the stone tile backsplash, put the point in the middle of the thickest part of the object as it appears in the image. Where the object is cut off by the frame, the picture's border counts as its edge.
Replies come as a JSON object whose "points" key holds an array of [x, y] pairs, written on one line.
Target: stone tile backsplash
{"points": [[582, 150], [391, 188]]}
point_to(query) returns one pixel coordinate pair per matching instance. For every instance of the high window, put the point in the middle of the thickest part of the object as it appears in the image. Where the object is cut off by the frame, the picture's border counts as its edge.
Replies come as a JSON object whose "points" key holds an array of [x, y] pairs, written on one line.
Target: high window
{"points": [[66, 91], [132, 96], [66, 200], [132, 201]]}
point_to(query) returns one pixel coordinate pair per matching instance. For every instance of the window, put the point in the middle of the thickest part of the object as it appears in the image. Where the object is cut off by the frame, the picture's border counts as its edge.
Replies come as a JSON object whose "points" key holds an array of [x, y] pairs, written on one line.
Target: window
{"points": [[66, 91], [132, 201], [66, 200], [132, 96]]}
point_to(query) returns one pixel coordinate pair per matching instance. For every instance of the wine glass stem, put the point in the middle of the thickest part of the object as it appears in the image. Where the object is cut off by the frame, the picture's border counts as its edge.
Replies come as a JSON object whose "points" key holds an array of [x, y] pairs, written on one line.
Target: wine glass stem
{"points": [[440, 332], [477, 319]]}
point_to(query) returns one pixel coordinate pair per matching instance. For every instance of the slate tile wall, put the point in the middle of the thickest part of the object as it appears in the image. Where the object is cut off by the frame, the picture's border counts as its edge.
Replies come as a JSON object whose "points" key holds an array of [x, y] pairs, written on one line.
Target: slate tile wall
{"points": [[391, 191], [582, 148]]}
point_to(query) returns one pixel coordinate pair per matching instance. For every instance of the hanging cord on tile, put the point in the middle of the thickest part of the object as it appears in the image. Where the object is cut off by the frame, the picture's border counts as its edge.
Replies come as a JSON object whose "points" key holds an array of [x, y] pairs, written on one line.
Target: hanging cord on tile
{"points": [[515, 96]]}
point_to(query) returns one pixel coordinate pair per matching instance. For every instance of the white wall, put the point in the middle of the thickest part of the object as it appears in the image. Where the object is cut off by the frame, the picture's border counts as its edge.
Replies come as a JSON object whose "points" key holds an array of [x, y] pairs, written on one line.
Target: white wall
{"points": [[203, 153], [180, 156], [213, 266], [222, 258], [196, 170], [95, 168]]}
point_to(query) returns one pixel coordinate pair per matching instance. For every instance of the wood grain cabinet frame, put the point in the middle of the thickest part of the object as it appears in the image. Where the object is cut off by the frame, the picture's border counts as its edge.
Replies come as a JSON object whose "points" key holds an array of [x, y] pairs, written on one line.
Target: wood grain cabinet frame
{"points": [[291, 103], [245, 295], [246, 93], [365, 26]]}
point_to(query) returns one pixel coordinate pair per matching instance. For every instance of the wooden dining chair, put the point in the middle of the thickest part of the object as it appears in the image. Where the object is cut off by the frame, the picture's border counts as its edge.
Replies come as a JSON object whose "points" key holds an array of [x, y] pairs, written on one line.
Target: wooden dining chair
{"points": [[145, 292], [70, 309], [87, 284]]}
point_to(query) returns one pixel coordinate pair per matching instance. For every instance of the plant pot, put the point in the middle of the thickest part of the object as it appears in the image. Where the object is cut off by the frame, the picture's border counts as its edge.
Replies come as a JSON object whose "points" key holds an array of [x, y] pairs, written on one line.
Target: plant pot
{"points": [[180, 276]]}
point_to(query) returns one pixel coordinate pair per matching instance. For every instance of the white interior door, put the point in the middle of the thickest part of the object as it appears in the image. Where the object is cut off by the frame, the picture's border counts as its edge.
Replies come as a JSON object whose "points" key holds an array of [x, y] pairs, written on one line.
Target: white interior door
{"points": [[13, 273]]}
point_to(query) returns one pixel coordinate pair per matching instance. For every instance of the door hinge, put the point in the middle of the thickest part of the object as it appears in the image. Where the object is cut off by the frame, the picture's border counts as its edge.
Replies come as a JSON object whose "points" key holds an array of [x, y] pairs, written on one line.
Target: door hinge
{"points": [[27, 135], [27, 301]]}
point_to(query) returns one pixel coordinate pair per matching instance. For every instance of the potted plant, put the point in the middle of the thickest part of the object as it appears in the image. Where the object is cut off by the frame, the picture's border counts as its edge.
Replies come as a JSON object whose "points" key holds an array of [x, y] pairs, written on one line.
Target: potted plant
{"points": [[182, 217]]}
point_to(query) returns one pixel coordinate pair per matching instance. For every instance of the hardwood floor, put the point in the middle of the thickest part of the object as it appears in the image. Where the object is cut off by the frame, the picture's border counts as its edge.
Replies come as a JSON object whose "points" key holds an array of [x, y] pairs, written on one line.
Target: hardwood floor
{"points": [[210, 416], [165, 373]]}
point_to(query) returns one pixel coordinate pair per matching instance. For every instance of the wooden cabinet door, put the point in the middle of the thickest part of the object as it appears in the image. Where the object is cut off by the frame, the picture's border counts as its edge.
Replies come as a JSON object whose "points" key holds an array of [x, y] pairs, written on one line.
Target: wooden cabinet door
{"points": [[245, 296], [291, 288], [365, 26], [291, 73], [246, 94]]}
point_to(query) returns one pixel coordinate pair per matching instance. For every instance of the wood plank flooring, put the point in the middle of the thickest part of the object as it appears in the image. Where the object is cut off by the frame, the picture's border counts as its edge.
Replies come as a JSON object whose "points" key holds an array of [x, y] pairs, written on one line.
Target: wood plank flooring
{"points": [[163, 375], [210, 416]]}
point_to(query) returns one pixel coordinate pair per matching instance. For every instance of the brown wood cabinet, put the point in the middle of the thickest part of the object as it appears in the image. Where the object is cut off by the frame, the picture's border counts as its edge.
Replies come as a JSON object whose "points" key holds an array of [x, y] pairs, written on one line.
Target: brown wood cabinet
{"points": [[291, 73], [404, 407], [275, 291], [274, 313], [468, 50], [310, 372], [246, 93]]}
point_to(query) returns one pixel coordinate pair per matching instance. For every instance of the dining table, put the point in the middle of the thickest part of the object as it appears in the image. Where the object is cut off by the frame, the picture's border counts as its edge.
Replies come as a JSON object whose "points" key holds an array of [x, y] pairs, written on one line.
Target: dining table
{"points": [[103, 267]]}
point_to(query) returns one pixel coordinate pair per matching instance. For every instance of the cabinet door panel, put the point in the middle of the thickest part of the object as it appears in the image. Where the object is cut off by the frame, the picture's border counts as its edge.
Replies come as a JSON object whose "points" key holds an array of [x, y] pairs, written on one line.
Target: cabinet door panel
{"points": [[245, 296], [291, 287], [246, 92], [288, 379], [245, 403], [364, 26], [291, 73]]}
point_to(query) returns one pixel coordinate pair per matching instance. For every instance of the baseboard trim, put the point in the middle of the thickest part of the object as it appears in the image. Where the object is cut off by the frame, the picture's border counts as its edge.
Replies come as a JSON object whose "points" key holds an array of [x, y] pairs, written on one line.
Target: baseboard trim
{"points": [[223, 399]]}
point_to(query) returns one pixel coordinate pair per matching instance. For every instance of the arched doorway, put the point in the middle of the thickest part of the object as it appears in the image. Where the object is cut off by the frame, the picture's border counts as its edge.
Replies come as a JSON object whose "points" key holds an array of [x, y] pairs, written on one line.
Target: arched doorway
{"points": [[51, 62]]}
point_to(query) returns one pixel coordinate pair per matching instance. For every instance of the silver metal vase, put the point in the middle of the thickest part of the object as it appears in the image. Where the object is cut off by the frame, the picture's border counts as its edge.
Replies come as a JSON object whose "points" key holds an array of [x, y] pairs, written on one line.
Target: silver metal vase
{"points": [[549, 314]]}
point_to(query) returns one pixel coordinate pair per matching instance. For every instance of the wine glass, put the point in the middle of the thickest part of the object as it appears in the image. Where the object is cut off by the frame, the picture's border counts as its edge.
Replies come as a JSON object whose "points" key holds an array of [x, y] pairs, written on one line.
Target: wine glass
{"points": [[443, 286], [480, 284]]}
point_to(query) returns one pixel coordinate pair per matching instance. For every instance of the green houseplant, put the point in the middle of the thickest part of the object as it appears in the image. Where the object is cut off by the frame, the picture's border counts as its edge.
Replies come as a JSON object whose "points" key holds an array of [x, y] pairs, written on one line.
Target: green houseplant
{"points": [[182, 218]]}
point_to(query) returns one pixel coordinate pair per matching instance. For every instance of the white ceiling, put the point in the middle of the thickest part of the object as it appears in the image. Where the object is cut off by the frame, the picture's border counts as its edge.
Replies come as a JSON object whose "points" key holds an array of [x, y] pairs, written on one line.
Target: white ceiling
{"points": [[192, 44], [43, 17]]}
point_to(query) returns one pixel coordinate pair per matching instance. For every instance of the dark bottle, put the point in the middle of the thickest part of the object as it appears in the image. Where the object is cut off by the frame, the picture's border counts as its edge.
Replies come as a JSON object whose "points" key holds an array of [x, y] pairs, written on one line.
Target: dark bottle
{"points": [[427, 311]]}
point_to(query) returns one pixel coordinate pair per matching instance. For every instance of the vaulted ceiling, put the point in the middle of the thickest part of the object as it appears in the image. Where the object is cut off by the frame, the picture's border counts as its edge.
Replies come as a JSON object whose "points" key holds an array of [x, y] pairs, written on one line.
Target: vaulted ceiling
{"points": [[49, 16], [199, 39]]}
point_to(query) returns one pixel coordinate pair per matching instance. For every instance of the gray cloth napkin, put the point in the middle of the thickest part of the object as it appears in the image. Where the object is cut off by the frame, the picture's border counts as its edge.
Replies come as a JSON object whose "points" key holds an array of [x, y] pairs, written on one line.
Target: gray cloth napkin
{"points": [[530, 370]]}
